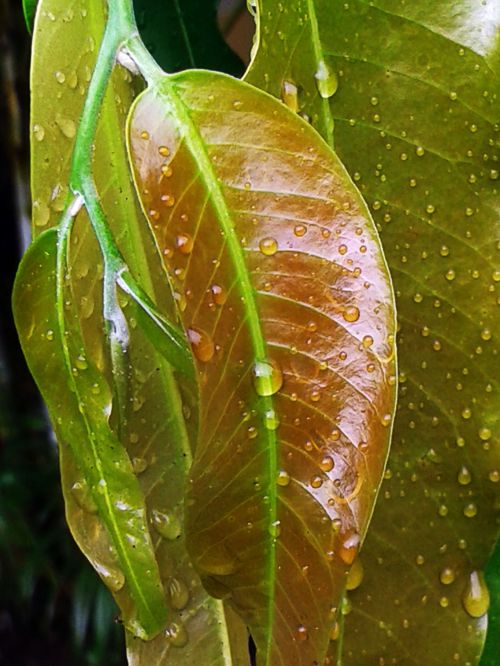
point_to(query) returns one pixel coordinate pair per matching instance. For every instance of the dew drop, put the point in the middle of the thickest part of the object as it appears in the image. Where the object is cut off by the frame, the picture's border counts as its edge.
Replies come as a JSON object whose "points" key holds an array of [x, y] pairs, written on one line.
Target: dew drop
{"points": [[464, 476], [351, 313], [335, 632], [38, 132], [167, 525], [476, 598], [326, 464], [326, 80], [50, 334], [494, 476], [201, 344], [301, 632], [316, 481], [219, 294], [184, 243], [367, 341], [450, 275], [349, 547], [271, 420], [283, 479], [83, 497], [267, 377], [299, 230], [289, 95], [178, 593], [145, 135], [176, 635], [447, 576], [139, 465], [275, 529], [470, 510], [268, 246], [112, 576], [66, 125], [444, 251]]}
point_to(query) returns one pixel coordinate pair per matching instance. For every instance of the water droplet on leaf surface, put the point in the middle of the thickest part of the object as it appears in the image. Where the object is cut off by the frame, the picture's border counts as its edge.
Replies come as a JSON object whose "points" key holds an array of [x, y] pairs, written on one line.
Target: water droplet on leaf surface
{"points": [[267, 377]]}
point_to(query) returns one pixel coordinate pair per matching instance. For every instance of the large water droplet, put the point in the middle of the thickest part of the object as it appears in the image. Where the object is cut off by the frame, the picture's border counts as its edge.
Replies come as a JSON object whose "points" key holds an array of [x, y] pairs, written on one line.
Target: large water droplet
{"points": [[351, 313], [112, 576], [355, 575], [201, 344], [476, 598], [326, 80], [267, 377], [268, 246]]}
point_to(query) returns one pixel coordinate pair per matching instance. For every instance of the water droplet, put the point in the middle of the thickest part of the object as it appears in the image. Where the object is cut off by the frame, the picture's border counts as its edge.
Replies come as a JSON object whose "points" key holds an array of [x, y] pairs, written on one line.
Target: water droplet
{"points": [[349, 547], [167, 200], [355, 575], [470, 510], [420, 151], [316, 481], [466, 413], [326, 80], [302, 634], [163, 150], [476, 598], [268, 246], [66, 125], [139, 465], [485, 434], [112, 576], [166, 170], [494, 476], [50, 334], [275, 529], [271, 419], [444, 251], [447, 576], [326, 464], [167, 525], [351, 313], [144, 135], [267, 377], [38, 132], [450, 275], [464, 476], [252, 432], [299, 230], [176, 635], [60, 77], [83, 496], [201, 344], [289, 95], [283, 478], [444, 602], [178, 593], [184, 243], [219, 294], [81, 362]]}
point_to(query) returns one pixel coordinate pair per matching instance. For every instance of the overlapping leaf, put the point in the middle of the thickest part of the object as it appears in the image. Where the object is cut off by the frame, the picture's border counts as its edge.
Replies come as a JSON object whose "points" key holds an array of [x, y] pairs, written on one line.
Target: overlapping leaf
{"points": [[159, 416], [285, 298], [416, 122]]}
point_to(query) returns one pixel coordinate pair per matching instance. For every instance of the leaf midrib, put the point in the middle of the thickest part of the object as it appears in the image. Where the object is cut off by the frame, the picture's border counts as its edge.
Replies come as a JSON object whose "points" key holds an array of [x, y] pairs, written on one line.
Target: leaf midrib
{"points": [[197, 148]]}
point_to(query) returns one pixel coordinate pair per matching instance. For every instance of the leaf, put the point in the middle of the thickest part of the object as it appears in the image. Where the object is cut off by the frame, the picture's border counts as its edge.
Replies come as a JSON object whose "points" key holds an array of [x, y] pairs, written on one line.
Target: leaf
{"points": [[29, 9], [284, 476], [160, 417], [416, 115], [79, 403], [183, 34], [490, 652]]}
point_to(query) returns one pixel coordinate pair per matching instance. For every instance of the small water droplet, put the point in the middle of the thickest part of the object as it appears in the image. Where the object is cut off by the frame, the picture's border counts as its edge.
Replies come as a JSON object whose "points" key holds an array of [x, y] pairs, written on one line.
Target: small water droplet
{"points": [[267, 377], [201, 344], [176, 635], [38, 132], [444, 251], [275, 529], [351, 313], [485, 434], [283, 478], [83, 496], [326, 464], [302, 634], [289, 95], [299, 230], [326, 80], [167, 525], [447, 576], [112, 576], [60, 77], [219, 294], [271, 420], [184, 243], [349, 547], [470, 510], [464, 476], [66, 125], [139, 465], [476, 597], [268, 246]]}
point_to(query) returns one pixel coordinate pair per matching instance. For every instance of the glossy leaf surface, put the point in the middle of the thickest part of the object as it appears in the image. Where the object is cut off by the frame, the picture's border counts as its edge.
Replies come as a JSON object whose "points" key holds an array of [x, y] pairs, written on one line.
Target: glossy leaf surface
{"points": [[183, 34], [79, 402], [416, 123], [153, 427], [282, 289]]}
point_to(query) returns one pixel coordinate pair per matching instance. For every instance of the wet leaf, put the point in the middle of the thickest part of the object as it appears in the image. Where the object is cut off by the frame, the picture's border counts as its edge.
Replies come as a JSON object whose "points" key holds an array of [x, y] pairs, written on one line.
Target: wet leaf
{"points": [[286, 301], [416, 123], [29, 9], [183, 34], [159, 418], [79, 402]]}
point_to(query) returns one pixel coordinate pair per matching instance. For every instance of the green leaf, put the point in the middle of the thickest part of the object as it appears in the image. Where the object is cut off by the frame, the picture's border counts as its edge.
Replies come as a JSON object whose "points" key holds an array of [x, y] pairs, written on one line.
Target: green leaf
{"points": [[183, 34], [490, 654], [79, 402], [416, 123], [279, 275], [159, 416], [29, 9]]}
